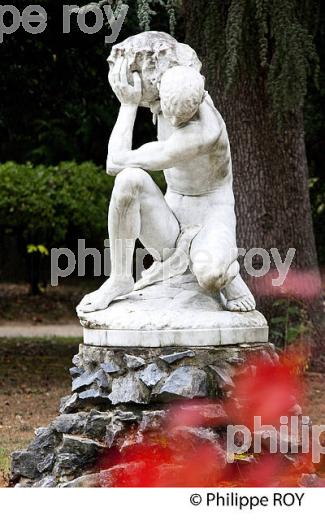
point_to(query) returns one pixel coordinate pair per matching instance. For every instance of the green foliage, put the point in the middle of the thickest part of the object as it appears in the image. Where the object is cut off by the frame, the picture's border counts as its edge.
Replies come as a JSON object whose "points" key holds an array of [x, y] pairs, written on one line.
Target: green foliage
{"points": [[145, 12], [294, 57], [289, 322], [318, 192], [270, 39], [55, 100], [171, 6], [262, 15], [40, 249], [234, 29], [49, 205], [45, 205]]}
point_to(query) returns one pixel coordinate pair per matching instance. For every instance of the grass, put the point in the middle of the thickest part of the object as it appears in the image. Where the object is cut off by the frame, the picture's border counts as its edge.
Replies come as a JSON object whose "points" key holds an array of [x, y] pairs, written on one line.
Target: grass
{"points": [[34, 376], [4, 465]]}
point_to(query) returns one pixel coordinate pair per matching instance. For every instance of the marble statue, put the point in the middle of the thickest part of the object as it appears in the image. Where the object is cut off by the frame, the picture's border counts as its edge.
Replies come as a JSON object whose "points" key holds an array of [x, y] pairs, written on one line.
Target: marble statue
{"points": [[181, 332], [192, 227]]}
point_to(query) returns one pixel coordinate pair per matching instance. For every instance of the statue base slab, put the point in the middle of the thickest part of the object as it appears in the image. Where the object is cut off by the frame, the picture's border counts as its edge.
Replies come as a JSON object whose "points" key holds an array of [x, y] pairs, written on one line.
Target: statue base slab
{"points": [[173, 312]]}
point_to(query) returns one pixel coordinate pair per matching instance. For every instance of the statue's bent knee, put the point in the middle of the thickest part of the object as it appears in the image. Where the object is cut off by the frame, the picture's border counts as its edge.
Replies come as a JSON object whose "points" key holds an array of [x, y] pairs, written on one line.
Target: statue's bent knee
{"points": [[128, 185]]}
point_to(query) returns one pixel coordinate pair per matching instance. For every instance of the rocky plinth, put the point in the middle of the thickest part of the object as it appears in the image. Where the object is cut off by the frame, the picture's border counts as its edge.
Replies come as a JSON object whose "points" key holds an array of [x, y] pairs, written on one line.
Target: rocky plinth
{"points": [[132, 419]]}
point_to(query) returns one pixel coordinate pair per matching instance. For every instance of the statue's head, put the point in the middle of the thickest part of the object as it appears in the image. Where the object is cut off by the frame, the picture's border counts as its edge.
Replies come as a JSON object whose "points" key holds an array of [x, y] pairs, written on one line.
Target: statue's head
{"points": [[181, 94], [151, 54]]}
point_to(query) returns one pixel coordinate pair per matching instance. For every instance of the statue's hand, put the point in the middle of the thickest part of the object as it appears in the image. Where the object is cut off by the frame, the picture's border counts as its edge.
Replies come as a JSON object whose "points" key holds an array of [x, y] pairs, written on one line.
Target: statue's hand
{"points": [[118, 77]]}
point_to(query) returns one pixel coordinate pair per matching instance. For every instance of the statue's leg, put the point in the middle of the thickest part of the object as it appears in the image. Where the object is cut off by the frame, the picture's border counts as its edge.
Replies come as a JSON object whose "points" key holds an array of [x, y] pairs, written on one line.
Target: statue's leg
{"points": [[137, 210], [238, 296], [214, 260]]}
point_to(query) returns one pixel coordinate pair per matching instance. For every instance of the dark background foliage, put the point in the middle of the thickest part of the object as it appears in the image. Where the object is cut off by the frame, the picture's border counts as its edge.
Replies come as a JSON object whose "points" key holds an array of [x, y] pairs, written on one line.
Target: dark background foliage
{"points": [[56, 104]]}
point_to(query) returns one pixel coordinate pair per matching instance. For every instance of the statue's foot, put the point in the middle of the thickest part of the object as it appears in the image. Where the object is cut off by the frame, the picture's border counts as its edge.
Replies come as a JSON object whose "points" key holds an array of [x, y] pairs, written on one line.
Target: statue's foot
{"points": [[109, 291], [239, 297]]}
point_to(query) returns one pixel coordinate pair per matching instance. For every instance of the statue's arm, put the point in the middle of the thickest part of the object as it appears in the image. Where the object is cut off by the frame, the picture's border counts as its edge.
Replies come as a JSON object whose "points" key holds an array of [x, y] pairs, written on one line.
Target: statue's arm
{"points": [[184, 144], [122, 135]]}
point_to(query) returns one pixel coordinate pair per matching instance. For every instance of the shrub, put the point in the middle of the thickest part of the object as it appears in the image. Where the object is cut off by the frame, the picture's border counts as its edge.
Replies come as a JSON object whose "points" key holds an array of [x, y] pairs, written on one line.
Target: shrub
{"points": [[52, 206], [45, 204], [47, 207]]}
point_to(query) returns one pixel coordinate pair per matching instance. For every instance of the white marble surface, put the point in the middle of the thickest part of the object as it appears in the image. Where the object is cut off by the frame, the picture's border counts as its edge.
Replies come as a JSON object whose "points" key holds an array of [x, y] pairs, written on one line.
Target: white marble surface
{"points": [[192, 227], [174, 312], [193, 150]]}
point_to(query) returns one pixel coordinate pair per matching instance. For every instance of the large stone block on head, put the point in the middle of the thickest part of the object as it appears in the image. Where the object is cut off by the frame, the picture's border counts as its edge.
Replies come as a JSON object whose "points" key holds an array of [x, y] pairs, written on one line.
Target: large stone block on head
{"points": [[151, 54]]}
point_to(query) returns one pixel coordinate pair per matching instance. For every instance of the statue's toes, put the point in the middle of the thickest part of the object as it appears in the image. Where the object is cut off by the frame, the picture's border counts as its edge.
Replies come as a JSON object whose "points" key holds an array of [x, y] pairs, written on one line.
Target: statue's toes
{"points": [[83, 308], [90, 307], [244, 304], [84, 302], [251, 303], [235, 307]]}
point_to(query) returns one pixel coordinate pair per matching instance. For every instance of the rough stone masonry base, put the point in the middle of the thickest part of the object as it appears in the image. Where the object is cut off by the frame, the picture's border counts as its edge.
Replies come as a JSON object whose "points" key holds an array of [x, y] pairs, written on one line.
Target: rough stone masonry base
{"points": [[121, 395], [116, 390]]}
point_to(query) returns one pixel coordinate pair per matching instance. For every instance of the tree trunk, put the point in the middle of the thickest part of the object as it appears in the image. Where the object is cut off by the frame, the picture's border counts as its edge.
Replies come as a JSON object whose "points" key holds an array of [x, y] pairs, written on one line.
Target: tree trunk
{"points": [[270, 167]]}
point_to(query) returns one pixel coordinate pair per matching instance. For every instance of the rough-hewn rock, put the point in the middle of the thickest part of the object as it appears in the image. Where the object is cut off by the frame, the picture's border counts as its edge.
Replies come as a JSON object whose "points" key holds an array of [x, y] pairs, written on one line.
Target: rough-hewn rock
{"points": [[75, 372], [94, 396], [87, 378], [211, 415], [152, 375], [23, 464], [96, 424], [69, 403], [312, 481], [86, 481], [152, 420], [129, 474], [172, 358], [126, 416], [223, 375], [46, 482], [70, 423], [111, 367], [76, 360], [134, 361], [188, 382], [114, 429], [76, 453], [39, 458], [129, 389]]}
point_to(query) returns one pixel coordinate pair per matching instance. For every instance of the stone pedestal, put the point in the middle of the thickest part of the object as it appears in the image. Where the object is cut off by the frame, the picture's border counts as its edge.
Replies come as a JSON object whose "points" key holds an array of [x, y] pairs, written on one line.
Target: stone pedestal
{"points": [[123, 400], [173, 312], [154, 411]]}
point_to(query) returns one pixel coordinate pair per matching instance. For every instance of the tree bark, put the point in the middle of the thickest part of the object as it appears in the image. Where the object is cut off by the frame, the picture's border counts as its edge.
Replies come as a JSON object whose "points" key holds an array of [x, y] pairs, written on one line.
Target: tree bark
{"points": [[270, 167]]}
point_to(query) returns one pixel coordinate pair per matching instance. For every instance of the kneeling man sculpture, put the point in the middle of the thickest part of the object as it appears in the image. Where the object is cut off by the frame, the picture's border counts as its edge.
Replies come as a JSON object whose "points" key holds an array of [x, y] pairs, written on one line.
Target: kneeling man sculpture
{"points": [[192, 227]]}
